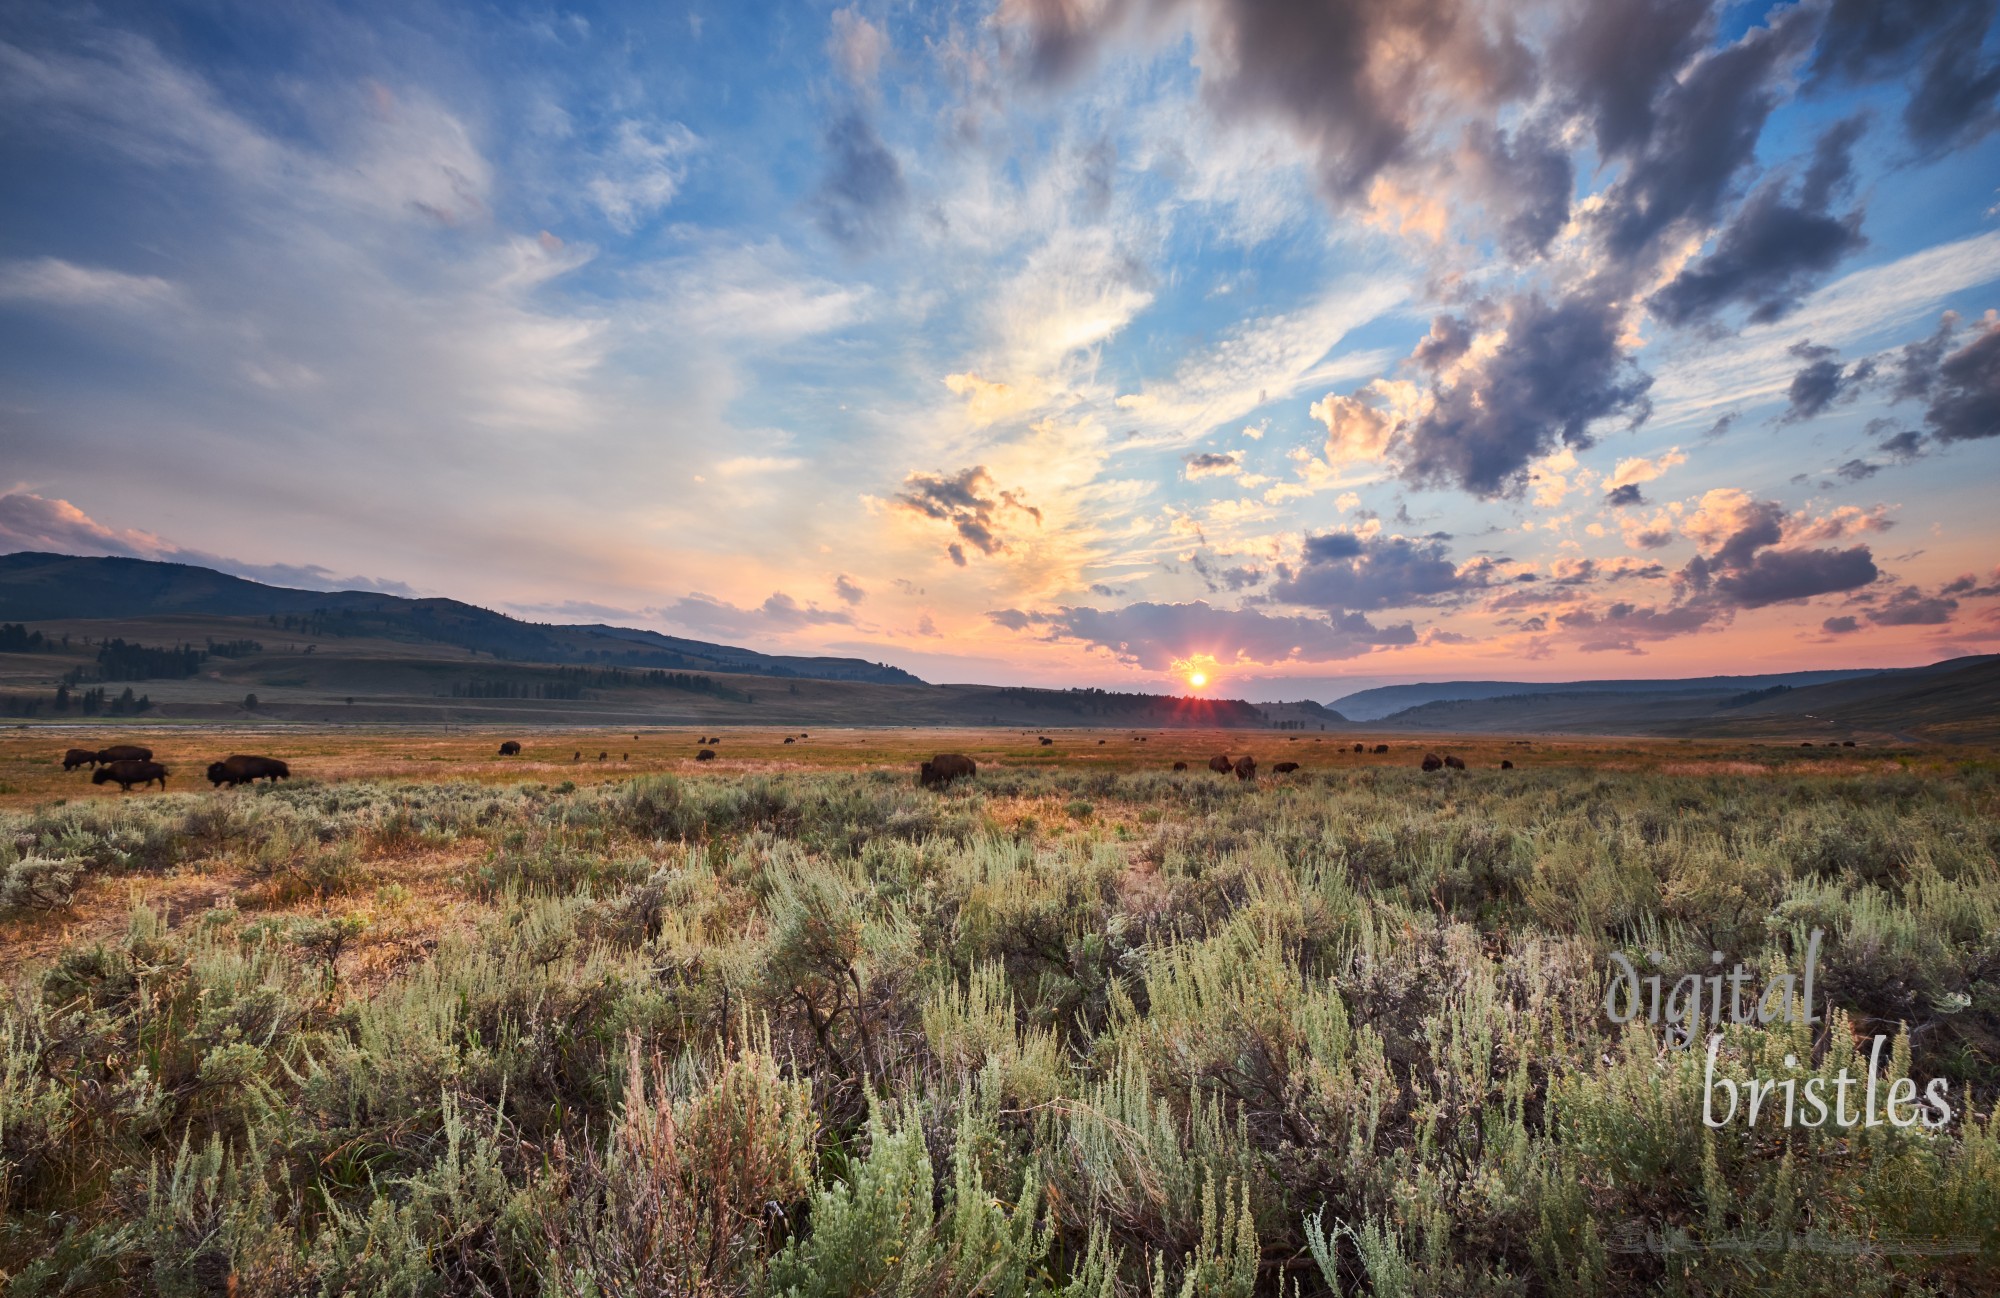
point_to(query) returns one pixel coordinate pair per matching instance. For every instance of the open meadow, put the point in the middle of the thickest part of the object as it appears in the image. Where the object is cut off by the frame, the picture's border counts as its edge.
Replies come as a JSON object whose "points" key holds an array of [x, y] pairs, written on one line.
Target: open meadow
{"points": [[424, 1019]]}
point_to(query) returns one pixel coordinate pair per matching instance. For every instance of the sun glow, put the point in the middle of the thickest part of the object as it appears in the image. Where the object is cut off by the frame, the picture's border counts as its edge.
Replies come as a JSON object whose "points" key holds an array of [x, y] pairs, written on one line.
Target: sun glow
{"points": [[1197, 670]]}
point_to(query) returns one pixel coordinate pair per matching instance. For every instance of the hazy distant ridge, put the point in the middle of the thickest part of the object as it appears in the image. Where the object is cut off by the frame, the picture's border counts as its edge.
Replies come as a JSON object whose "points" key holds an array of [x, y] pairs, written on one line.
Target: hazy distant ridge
{"points": [[1386, 700]]}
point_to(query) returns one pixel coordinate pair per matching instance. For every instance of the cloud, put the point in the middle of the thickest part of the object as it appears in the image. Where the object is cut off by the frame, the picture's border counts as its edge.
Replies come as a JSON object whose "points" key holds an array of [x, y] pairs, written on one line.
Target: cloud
{"points": [[857, 47], [51, 281], [848, 589], [1744, 566], [1622, 496], [1823, 382], [967, 501], [1637, 469], [1774, 247], [1212, 464], [1962, 391], [1154, 636], [1911, 607], [779, 614], [641, 171], [1342, 570], [1840, 625], [1939, 47], [861, 199]]}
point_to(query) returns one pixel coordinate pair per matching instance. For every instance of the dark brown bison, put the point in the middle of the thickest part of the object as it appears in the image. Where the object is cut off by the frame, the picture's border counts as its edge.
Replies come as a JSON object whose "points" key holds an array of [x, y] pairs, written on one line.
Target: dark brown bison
{"points": [[1432, 762], [1847, 743], [705, 755], [124, 753], [76, 757], [1454, 763], [1506, 765], [1180, 766], [1357, 748], [1806, 744], [241, 769], [1047, 742], [602, 755], [512, 748], [128, 772], [941, 770], [1246, 768], [1221, 764], [1381, 748], [1284, 768], [790, 740]]}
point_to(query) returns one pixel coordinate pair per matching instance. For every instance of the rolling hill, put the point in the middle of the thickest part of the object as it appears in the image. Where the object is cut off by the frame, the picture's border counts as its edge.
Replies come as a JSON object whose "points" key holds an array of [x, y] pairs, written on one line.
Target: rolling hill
{"points": [[1389, 700]]}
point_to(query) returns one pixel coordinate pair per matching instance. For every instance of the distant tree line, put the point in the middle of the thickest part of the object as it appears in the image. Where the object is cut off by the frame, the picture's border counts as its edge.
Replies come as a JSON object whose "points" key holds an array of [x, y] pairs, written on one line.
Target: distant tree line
{"points": [[233, 648], [91, 702], [571, 682], [18, 639], [1093, 702], [119, 661]]}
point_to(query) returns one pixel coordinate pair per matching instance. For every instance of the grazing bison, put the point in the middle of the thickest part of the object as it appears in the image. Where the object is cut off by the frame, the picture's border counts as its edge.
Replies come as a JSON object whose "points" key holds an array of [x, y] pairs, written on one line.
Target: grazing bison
{"points": [[790, 740], [602, 755], [241, 769], [576, 756], [512, 748], [1180, 766], [124, 753], [941, 770], [1506, 765], [1454, 763], [1284, 768], [128, 772], [1381, 748], [1246, 767], [1847, 743], [1100, 743], [1357, 748], [705, 755], [1432, 762], [76, 757], [1806, 744], [1047, 742], [1221, 764]]}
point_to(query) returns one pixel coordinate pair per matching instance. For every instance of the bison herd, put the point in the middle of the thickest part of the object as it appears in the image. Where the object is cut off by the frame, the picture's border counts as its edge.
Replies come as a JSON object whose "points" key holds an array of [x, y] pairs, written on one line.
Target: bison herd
{"points": [[126, 765]]}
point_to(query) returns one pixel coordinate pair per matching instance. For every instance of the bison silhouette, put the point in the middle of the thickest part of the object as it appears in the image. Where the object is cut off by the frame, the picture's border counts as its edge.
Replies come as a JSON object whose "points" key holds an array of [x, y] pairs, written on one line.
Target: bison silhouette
{"points": [[1284, 768], [76, 757], [1246, 768], [705, 755], [244, 769], [512, 748], [128, 772], [1432, 762], [1221, 764], [1454, 763], [1180, 766], [941, 770], [124, 753]]}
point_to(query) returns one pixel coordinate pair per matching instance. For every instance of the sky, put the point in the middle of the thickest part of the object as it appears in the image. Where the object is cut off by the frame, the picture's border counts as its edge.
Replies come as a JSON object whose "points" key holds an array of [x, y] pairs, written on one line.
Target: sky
{"points": [[1059, 342]]}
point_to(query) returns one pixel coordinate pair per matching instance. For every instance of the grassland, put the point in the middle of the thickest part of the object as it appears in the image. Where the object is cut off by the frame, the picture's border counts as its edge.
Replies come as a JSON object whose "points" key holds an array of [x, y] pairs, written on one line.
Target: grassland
{"points": [[429, 1021]]}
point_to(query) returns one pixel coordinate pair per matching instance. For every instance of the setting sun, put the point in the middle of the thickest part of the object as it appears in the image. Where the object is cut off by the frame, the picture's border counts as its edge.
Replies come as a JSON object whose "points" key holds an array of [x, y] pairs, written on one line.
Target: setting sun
{"points": [[1197, 679]]}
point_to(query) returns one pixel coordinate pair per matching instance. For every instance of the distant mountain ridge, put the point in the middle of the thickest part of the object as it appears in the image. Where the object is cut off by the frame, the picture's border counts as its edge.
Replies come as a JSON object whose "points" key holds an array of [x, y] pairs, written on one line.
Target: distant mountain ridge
{"points": [[1387, 700], [40, 587]]}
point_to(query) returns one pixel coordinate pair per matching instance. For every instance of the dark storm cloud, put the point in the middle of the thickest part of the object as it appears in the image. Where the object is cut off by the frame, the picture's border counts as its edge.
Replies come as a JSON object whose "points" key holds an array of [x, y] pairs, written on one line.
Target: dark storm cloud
{"points": [[1779, 576], [968, 502], [1154, 635], [1629, 494], [1613, 57], [1938, 46], [1526, 183], [1911, 607], [862, 197], [1965, 395], [1218, 579], [1705, 130], [1774, 249], [1823, 381], [1560, 368], [1840, 625], [1343, 571]]}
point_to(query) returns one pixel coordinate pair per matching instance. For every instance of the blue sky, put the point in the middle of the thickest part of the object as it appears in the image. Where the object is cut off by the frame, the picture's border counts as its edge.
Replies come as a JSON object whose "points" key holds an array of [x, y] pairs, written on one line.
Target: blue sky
{"points": [[1064, 341]]}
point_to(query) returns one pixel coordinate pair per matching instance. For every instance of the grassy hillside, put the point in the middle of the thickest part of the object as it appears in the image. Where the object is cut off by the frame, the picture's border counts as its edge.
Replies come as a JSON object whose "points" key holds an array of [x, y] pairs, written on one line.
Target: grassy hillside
{"points": [[1064, 1031]]}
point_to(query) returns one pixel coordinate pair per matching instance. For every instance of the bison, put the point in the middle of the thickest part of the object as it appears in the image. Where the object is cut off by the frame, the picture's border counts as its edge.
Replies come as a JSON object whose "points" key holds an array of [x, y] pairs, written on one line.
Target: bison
{"points": [[1432, 762], [1381, 748], [1454, 763], [941, 770], [1284, 768], [1506, 765], [76, 757], [512, 748], [1246, 767], [1047, 742], [602, 754], [1357, 748], [1847, 743], [1180, 766], [705, 755], [130, 771], [1221, 764], [124, 753], [790, 740], [241, 769]]}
